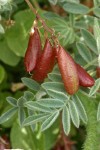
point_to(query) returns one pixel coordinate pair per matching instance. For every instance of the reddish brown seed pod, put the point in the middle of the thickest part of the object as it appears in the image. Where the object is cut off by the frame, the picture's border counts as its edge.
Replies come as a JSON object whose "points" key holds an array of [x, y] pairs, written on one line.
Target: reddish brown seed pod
{"points": [[33, 50], [98, 72], [45, 63], [68, 71], [85, 79]]}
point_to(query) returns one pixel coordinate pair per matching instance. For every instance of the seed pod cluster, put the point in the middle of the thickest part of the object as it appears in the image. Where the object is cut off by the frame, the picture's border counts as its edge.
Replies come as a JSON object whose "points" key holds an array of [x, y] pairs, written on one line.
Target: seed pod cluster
{"points": [[73, 75], [41, 62]]}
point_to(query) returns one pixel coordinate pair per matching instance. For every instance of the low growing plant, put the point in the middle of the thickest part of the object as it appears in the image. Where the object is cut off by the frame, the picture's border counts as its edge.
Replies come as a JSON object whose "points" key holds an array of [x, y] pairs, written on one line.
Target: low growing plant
{"points": [[62, 56]]}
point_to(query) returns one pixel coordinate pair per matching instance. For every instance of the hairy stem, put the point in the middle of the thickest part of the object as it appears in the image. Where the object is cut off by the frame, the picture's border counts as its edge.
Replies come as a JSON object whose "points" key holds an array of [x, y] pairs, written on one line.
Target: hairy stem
{"points": [[91, 142], [92, 138]]}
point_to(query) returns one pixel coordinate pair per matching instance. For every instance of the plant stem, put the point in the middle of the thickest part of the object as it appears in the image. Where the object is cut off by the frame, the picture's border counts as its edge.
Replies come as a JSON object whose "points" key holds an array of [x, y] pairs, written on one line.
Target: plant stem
{"points": [[38, 17]]}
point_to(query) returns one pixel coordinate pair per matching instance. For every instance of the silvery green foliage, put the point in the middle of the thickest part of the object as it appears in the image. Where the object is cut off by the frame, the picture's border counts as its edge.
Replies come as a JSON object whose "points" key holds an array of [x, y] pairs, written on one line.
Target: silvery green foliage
{"points": [[84, 51], [75, 8], [54, 2], [46, 110], [73, 1], [89, 40], [66, 120], [97, 34], [95, 88]]}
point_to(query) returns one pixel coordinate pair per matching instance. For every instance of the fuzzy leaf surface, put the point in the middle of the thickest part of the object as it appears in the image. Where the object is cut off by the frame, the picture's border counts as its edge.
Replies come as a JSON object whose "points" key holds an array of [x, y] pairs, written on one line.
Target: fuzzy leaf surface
{"points": [[51, 103], [80, 108], [74, 114], [89, 40], [7, 115], [31, 84], [49, 121], [66, 120], [12, 101], [95, 88], [58, 95], [75, 8]]}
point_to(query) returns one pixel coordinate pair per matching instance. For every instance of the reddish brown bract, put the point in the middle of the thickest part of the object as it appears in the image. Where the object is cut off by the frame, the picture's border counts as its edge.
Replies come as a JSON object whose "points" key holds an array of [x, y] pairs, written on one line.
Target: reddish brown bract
{"points": [[85, 79], [33, 51], [45, 63], [68, 71]]}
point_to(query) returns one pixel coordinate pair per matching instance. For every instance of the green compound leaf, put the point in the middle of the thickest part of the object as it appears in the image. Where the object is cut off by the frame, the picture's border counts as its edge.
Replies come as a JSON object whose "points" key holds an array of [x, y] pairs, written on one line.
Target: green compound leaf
{"points": [[66, 120], [31, 84], [74, 113]]}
